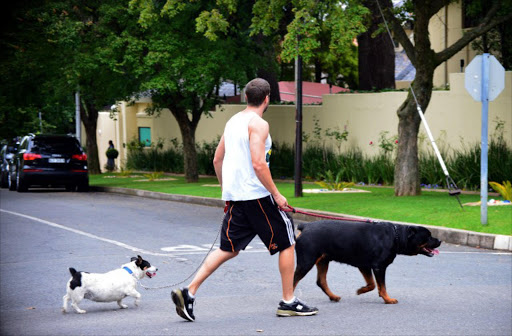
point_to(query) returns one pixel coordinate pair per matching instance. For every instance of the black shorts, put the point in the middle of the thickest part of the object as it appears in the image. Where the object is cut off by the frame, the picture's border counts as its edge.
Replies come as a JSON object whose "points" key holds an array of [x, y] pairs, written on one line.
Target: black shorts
{"points": [[246, 219]]}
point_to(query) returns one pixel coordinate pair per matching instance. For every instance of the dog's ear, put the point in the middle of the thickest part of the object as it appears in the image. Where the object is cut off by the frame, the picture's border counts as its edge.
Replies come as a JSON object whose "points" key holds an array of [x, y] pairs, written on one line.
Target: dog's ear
{"points": [[412, 230], [139, 260], [133, 258]]}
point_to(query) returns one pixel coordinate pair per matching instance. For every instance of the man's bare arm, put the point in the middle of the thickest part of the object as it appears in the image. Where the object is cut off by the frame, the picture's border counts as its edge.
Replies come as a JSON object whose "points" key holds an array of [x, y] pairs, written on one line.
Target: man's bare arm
{"points": [[218, 159], [258, 132]]}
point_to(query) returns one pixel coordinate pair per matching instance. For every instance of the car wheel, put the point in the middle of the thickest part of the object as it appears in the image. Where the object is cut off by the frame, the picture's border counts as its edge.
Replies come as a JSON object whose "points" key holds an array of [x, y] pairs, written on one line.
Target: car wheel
{"points": [[83, 186], [20, 184], [70, 187], [12, 183], [3, 181]]}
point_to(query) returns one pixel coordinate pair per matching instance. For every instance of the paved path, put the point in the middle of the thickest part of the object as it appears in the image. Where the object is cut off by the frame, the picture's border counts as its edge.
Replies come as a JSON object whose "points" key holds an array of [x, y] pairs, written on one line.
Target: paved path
{"points": [[462, 291]]}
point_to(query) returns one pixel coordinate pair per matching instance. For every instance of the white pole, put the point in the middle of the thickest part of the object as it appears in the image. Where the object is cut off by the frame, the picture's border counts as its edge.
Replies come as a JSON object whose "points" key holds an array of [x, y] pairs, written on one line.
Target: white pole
{"points": [[436, 150], [77, 115], [484, 140], [40, 122]]}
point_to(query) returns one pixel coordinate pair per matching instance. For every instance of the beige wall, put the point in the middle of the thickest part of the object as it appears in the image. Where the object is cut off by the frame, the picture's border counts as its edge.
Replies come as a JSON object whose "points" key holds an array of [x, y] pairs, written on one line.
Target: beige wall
{"points": [[453, 116], [445, 28]]}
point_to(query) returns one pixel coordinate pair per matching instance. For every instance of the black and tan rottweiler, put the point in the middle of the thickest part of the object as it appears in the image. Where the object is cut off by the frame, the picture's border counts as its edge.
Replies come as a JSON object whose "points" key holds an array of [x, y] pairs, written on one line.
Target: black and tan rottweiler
{"points": [[371, 247]]}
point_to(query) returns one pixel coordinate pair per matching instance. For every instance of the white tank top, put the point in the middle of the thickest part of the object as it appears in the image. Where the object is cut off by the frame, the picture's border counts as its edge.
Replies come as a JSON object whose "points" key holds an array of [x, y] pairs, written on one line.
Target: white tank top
{"points": [[239, 181]]}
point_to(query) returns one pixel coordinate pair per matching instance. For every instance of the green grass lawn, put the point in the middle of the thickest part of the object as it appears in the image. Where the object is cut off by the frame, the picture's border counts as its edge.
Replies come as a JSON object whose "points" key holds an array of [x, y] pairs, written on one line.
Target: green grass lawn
{"points": [[431, 208]]}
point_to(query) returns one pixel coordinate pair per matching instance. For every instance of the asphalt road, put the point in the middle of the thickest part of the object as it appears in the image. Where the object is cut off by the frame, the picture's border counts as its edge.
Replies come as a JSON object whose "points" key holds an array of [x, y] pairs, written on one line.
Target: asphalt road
{"points": [[462, 291]]}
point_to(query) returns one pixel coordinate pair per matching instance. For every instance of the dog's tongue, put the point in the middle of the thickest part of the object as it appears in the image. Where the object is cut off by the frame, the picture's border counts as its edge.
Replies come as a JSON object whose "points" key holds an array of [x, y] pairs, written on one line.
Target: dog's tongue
{"points": [[150, 274], [435, 251]]}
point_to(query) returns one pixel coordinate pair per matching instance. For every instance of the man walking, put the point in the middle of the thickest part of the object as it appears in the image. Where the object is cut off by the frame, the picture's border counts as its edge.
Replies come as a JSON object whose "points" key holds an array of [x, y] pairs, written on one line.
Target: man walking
{"points": [[253, 203]]}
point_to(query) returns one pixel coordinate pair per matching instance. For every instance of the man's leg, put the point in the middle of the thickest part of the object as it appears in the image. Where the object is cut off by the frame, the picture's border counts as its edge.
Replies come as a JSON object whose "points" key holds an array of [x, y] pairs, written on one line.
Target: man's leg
{"points": [[212, 262], [184, 298], [290, 305], [287, 268]]}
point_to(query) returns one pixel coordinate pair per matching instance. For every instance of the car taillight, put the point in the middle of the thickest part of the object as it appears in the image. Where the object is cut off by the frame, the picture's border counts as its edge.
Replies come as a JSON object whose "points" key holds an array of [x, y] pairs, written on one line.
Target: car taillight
{"points": [[80, 157], [31, 156]]}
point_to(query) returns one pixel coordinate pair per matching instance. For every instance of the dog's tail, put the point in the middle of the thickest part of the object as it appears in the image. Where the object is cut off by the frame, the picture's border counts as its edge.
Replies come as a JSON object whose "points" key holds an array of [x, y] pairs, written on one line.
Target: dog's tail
{"points": [[72, 271]]}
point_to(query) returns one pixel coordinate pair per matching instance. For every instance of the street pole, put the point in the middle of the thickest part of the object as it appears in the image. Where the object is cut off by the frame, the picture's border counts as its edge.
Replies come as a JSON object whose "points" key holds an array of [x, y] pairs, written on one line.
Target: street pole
{"points": [[40, 122], [484, 141], [484, 80], [77, 115], [298, 127]]}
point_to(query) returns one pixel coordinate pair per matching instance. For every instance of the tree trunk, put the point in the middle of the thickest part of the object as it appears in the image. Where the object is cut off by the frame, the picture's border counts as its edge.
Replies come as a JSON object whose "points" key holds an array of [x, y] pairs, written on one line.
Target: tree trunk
{"points": [[376, 55], [267, 69], [425, 60], [318, 71], [188, 136], [89, 116], [407, 170], [407, 179], [271, 77]]}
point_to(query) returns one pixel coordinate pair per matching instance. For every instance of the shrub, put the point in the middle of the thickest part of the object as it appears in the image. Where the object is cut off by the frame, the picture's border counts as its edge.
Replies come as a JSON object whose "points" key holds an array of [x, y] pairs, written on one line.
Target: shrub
{"points": [[282, 161], [352, 165], [333, 183], [505, 189], [205, 154], [154, 176], [112, 153]]}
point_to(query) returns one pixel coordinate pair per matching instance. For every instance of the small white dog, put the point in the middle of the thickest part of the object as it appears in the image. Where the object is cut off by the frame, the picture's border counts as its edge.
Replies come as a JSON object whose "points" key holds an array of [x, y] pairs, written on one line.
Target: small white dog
{"points": [[107, 287]]}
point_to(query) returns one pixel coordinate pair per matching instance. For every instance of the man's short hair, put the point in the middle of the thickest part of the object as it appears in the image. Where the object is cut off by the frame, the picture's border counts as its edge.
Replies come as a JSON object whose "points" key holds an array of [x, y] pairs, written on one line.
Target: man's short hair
{"points": [[256, 91]]}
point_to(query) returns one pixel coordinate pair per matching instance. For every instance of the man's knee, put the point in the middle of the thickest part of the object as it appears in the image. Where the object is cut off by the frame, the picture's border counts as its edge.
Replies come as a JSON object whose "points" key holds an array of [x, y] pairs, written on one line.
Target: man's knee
{"points": [[228, 254]]}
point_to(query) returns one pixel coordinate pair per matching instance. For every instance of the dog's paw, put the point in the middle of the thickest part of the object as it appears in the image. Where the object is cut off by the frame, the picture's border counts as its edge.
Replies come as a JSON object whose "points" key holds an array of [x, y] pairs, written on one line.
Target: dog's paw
{"points": [[64, 311], [123, 306], [365, 289], [335, 298], [391, 301], [81, 311]]}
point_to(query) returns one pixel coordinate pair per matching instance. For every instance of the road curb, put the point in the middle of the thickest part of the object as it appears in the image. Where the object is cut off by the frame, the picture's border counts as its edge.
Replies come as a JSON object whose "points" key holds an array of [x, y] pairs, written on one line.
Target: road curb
{"points": [[452, 236]]}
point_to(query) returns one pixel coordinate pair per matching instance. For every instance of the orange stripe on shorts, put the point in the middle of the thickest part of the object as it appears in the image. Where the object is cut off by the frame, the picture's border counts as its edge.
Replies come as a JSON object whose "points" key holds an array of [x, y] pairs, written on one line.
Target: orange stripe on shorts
{"points": [[270, 226], [227, 231]]}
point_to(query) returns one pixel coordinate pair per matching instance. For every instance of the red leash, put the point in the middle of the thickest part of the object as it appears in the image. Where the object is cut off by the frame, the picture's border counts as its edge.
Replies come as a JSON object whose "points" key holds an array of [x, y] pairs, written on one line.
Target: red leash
{"points": [[292, 209]]}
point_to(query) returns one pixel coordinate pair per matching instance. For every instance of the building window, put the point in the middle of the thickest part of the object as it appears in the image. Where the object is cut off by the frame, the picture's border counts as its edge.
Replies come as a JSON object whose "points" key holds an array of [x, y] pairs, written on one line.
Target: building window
{"points": [[145, 136]]}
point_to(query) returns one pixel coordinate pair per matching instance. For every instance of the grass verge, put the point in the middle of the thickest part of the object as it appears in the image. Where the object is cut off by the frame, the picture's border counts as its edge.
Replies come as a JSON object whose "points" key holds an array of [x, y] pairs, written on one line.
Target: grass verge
{"points": [[431, 208]]}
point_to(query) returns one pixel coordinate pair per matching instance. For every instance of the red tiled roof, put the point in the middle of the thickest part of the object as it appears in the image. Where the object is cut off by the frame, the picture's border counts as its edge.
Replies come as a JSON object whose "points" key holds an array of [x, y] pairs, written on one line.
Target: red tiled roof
{"points": [[311, 92]]}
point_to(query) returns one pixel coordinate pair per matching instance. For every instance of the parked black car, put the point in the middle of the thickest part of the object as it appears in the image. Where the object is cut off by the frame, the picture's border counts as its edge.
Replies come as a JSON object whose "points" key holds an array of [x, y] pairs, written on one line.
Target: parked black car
{"points": [[49, 160], [6, 155]]}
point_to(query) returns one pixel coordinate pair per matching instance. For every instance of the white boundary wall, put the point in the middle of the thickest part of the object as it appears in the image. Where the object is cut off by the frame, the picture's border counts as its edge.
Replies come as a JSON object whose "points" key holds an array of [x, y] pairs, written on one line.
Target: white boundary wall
{"points": [[453, 116]]}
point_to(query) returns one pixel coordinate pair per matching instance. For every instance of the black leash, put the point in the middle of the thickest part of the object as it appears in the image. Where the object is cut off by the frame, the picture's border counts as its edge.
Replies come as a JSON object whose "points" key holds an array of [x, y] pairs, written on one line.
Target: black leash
{"points": [[198, 267]]}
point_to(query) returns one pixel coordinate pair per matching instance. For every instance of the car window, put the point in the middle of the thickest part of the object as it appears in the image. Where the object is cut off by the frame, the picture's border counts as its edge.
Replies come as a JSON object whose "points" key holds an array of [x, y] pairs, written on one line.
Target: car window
{"points": [[55, 146]]}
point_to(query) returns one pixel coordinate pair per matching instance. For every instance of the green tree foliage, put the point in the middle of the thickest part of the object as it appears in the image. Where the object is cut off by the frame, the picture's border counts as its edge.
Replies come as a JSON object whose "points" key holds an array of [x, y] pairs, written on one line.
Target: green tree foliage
{"points": [[24, 91], [322, 32], [181, 67], [497, 40], [69, 44]]}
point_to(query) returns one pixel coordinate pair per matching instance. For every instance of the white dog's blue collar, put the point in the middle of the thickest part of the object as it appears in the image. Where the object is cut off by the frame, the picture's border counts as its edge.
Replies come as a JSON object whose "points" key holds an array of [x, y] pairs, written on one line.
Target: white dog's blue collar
{"points": [[128, 270]]}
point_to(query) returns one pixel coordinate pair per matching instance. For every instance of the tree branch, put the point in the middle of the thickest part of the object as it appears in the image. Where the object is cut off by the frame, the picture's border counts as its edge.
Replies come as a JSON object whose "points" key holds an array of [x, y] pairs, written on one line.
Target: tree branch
{"points": [[490, 21], [436, 6], [401, 36]]}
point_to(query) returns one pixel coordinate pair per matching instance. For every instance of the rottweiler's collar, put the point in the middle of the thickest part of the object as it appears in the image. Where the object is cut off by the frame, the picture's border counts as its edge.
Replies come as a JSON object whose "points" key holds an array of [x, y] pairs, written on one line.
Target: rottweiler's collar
{"points": [[400, 248]]}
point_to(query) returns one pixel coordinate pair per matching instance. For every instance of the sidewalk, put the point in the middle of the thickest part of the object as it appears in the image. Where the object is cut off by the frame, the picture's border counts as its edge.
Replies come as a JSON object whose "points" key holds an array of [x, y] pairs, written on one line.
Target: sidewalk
{"points": [[452, 236]]}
